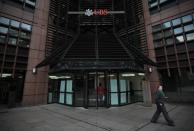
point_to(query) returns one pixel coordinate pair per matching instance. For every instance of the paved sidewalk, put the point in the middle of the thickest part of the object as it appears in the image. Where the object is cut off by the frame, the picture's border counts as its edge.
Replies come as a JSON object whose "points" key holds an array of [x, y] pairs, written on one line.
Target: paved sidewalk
{"points": [[55, 117]]}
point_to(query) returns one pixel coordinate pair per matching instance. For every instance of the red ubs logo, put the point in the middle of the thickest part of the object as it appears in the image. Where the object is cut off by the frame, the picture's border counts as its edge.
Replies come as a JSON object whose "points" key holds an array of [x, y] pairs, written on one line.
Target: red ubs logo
{"points": [[101, 12]]}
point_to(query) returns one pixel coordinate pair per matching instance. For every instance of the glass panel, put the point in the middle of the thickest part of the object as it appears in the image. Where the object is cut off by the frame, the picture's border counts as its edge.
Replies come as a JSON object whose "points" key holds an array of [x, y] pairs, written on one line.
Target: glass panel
{"points": [[157, 35], [69, 86], [176, 22], [61, 98], [4, 20], [178, 30], [114, 99], [62, 86], [167, 33], [31, 2], [69, 99], [15, 23], [50, 97], [154, 4], [2, 39], [189, 27], [123, 98], [12, 41], [169, 41], [179, 39], [26, 26], [156, 28], [190, 36], [13, 32], [163, 1], [166, 25], [113, 85], [24, 43], [25, 34], [123, 85], [3, 30], [186, 18], [158, 43]]}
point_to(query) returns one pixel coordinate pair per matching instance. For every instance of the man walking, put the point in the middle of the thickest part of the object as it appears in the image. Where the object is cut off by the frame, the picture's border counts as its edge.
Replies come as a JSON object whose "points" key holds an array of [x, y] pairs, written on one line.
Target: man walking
{"points": [[160, 97]]}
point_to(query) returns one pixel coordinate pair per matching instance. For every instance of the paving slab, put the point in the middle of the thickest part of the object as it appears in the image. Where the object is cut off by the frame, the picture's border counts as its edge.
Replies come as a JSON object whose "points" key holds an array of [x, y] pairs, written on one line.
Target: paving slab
{"points": [[56, 117]]}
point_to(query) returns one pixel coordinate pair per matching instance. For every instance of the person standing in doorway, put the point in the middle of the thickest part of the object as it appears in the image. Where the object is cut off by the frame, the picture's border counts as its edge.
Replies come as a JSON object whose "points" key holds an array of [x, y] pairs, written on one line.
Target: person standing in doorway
{"points": [[159, 101], [101, 92]]}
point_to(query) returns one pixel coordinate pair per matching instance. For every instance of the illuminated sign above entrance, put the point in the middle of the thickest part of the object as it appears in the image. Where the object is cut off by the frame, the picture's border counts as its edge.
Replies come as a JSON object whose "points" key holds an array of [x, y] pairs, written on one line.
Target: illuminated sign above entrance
{"points": [[95, 12]]}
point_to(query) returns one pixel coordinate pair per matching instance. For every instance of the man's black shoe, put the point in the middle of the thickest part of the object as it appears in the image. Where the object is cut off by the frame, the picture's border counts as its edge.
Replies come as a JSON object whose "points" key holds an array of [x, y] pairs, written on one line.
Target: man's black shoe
{"points": [[153, 121], [171, 124]]}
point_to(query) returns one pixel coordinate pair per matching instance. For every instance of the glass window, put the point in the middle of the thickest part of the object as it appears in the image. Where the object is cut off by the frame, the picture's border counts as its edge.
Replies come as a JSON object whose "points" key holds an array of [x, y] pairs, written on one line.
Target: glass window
{"points": [[23, 42], [69, 86], [189, 27], [190, 36], [179, 39], [169, 41], [167, 33], [26, 26], [15, 23], [25, 34], [113, 85], [69, 99], [13, 32], [61, 98], [156, 28], [62, 86], [2, 39], [157, 35], [186, 18], [12, 41], [4, 20], [176, 22], [158, 43], [178, 30], [163, 1], [166, 25], [3, 30], [31, 2]]}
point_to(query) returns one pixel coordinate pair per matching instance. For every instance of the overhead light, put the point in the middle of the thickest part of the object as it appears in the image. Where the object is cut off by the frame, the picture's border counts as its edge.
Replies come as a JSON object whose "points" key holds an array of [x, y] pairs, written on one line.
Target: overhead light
{"points": [[34, 71], [111, 75], [129, 74], [141, 74], [5, 75], [59, 77]]}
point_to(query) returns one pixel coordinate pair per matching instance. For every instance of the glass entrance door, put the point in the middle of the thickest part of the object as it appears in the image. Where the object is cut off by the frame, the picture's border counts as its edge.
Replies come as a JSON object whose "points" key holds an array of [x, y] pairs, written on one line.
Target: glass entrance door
{"points": [[97, 92]]}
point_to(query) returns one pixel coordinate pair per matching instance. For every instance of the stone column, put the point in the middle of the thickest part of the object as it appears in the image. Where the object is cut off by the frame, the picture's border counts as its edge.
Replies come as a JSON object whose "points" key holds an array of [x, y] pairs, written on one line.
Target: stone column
{"points": [[146, 93]]}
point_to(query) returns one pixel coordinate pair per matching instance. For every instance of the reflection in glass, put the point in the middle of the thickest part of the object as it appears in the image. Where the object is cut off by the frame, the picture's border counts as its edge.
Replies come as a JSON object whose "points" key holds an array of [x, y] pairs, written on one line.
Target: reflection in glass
{"points": [[179, 39], [178, 30], [157, 35], [4, 20], [2, 39], [156, 28], [12, 41], [13, 32], [169, 41], [69, 100], [3, 30], [61, 98], [25, 34], [167, 33], [190, 36], [166, 25], [189, 27], [15, 23], [186, 18], [176, 22], [26, 26]]}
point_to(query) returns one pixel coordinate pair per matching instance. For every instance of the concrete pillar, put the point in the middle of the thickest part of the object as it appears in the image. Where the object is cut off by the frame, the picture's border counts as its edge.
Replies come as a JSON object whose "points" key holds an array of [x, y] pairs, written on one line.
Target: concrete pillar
{"points": [[147, 99]]}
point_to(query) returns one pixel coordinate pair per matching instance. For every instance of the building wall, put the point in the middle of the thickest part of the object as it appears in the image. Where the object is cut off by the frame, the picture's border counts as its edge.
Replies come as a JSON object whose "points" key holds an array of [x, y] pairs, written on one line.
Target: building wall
{"points": [[173, 72], [35, 85]]}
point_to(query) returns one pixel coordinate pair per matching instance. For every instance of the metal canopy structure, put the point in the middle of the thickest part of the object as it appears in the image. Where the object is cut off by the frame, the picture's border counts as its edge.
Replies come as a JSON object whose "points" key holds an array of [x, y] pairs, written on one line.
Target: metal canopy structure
{"points": [[92, 42]]}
